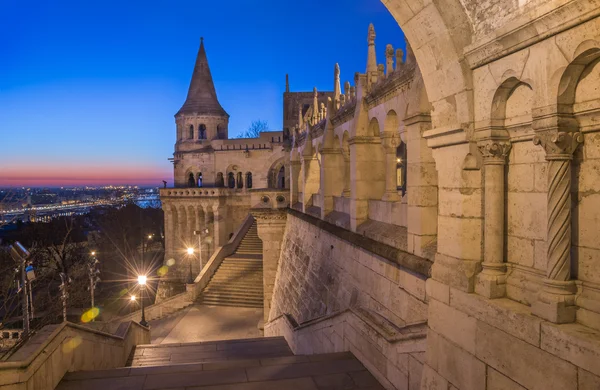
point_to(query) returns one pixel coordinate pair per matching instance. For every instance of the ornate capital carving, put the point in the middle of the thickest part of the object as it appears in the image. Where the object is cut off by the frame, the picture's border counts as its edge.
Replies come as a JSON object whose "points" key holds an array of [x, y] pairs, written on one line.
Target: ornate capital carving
{"points": [[495, 151], [267, 215], [558, 144]]}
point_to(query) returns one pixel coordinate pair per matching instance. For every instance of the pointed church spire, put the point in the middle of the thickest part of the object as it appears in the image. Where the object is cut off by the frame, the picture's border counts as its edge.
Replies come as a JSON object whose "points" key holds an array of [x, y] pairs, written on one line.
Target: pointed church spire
{"points": [[202, 96]]}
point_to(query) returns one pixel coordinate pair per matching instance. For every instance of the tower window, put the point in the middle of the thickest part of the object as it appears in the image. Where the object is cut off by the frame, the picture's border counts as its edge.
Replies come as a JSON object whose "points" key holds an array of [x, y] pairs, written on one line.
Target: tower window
{"points": [[191, 132], [202, 131]]}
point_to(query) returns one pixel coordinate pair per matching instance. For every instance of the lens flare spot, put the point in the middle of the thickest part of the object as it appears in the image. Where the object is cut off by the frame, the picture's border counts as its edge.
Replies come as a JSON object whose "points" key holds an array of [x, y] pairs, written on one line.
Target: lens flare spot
{"points": [[162, 271], [123, 292], [170, 262], [90, 315], [71, 344]]}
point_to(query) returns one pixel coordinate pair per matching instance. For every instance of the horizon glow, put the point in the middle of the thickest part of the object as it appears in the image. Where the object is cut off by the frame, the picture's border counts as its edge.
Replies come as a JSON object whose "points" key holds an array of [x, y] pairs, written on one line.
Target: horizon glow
{"points": [[88, 90]]}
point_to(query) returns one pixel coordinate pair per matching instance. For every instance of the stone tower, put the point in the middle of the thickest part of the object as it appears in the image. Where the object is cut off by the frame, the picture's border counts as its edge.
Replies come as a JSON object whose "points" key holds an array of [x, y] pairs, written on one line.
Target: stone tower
{"points": [[201, 117]]}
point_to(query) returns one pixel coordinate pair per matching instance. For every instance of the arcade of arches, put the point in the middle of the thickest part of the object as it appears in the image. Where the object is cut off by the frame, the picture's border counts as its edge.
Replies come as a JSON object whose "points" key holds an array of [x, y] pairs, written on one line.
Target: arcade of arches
{"points": [[444, 219]]}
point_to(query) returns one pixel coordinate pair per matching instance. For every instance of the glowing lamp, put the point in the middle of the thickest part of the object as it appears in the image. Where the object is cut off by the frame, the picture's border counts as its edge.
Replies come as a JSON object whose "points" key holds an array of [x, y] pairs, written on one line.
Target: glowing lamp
{"points": [[142, 280], [190, 251], [93, 253], [132, 298]]}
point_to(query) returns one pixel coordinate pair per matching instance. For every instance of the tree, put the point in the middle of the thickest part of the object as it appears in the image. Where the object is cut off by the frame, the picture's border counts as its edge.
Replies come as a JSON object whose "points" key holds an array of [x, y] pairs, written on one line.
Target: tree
{"points": [[254, 129]]}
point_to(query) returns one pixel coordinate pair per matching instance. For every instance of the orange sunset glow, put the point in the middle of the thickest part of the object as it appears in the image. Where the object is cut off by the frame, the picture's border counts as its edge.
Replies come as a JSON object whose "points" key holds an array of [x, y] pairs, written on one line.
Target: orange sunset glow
{"points": [[75, 175]]}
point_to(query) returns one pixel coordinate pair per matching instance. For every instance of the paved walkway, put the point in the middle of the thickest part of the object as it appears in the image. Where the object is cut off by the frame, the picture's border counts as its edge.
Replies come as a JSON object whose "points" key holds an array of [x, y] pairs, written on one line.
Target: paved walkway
{"points": [[207, 323]]}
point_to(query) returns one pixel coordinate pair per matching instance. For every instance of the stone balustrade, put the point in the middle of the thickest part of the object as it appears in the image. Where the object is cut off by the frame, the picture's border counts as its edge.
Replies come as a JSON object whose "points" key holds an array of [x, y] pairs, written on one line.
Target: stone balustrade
{"points": [[45, 358]]}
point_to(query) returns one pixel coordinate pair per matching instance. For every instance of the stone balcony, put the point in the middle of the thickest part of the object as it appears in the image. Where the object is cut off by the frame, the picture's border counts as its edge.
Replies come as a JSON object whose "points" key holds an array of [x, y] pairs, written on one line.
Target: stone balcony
{"points": [[259, 197]]}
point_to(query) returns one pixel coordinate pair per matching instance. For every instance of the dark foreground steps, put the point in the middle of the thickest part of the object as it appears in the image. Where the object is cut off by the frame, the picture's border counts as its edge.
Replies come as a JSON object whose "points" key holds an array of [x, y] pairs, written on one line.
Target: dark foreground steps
{"points": [[251, 364]]}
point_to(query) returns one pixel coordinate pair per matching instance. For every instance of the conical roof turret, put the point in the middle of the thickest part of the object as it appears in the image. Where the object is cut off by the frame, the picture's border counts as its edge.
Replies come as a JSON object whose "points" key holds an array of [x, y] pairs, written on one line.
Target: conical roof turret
{"points": [[202, 96]]}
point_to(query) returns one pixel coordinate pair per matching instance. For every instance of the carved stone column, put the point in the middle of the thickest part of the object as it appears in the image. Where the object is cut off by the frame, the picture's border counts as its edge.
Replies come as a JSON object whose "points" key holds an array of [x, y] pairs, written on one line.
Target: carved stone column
{"points": [[390, 144], [271, 229], [556, 301], [491, 282]]}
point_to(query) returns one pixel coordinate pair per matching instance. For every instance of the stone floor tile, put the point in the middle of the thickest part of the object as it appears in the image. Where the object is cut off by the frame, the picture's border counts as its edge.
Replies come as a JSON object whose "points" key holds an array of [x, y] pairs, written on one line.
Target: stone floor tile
{"points": [[125, 383], [363, 379], [166, 369], [283, 360], [231, 364], [341, 381], [331, 356], [202, 378], [286, 384], [302, 370], [79, 375]]}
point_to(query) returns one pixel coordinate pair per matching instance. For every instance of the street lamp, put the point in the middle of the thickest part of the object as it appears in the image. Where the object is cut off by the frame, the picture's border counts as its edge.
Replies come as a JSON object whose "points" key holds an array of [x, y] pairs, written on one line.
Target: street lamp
{"points": [[20, 254], [199, 233], [190, 277], [142, 282]]}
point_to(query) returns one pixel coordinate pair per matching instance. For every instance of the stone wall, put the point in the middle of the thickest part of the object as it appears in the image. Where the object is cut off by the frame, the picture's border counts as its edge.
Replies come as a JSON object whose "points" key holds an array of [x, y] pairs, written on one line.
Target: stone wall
{"points": [[326, 271]]}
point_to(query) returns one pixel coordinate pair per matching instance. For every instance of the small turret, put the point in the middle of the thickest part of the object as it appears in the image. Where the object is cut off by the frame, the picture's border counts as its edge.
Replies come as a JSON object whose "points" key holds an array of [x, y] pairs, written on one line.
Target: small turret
{"points": [[389, 59], [337, 89], [371, 57], [399, 58]]}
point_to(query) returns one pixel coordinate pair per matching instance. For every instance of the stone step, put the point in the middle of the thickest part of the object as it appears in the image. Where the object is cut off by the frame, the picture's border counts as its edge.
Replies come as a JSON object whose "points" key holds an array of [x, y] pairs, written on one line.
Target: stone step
{"points": [[236, 288], [232, 303], [248, 294], [244, 371]]}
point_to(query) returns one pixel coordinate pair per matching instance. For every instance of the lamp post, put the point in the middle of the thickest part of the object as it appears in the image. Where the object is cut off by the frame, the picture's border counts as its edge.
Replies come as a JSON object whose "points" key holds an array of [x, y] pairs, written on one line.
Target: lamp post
{"points": [[190, 277], [199, 233], [142, 283], [20, 254]]}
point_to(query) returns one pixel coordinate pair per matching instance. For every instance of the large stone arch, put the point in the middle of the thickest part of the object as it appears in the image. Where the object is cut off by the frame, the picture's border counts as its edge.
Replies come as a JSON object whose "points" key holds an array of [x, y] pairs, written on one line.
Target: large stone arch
{"points": [[438, 33]]}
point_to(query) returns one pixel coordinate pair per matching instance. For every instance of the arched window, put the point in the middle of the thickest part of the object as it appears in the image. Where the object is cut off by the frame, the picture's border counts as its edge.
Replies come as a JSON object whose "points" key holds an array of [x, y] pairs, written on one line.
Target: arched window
{"points": [[220, 181], [281, 178], [249, 180], [191, 132], [220, 132], [200, 179], [240, 182], [401, 168], [230, 180], [191, 180], [202, 131]]}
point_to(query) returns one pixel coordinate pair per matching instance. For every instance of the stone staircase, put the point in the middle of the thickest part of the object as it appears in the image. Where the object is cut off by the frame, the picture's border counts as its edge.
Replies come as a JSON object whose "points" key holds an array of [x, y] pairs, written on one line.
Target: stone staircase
{"points": [[239, 279], [248, 364]]}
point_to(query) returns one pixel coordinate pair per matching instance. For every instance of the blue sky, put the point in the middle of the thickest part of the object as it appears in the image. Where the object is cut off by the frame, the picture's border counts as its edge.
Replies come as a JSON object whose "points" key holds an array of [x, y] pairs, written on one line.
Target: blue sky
{"points": [[90, 88]]}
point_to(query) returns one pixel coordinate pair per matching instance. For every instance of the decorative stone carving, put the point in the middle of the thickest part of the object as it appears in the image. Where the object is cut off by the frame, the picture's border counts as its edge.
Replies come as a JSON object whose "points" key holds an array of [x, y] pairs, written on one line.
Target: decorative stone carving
{"points": [[556, 302], [494, 150]]}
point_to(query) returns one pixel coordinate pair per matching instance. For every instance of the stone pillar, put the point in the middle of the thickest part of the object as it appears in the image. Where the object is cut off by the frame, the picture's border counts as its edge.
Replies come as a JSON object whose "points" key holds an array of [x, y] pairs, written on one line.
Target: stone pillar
{"points": [[332, 183], [491, 282], [220, 225], [312, 172], [421, 185], [390, 144], [207, 240], [271, 229], [295, 167], [182, 230], [367, 180], [556, 301], [169, 230]]}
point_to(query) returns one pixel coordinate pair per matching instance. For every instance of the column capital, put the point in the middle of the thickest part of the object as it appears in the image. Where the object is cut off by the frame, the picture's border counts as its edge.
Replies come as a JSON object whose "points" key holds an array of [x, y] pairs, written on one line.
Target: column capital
{"points": [[269, 215], [559, 145], [494, 151]]}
